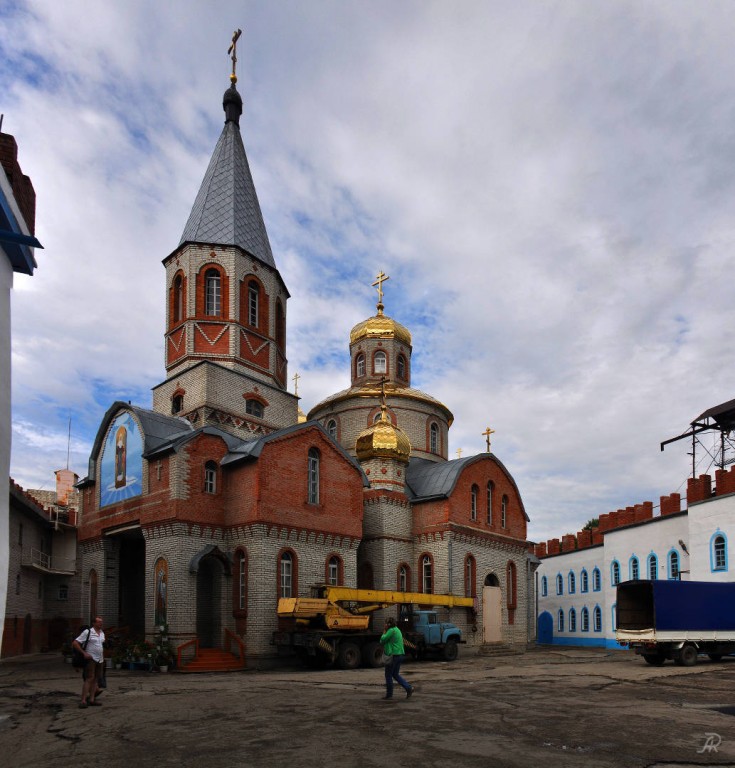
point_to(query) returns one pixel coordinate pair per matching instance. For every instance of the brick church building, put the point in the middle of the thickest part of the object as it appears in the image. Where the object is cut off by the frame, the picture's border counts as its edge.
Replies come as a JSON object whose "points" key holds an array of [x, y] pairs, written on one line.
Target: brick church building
{"points": [[200, 512]]}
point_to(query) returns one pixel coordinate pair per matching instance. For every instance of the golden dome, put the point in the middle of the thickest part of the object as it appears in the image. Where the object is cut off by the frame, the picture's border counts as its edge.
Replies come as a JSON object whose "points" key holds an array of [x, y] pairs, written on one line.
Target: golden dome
{"points": [[383, 440], [380, 327]]}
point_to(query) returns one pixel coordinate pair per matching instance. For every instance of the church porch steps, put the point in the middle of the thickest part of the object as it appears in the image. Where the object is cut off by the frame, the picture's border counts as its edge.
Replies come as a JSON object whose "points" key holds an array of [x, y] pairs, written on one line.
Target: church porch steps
{"points": [[213, 660]]}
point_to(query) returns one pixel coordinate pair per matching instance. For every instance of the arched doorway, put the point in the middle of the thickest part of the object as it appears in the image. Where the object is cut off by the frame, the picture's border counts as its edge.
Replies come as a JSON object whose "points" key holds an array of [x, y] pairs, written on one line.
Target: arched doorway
{"points": [[546, 628], [209, 601], [492, 613]]}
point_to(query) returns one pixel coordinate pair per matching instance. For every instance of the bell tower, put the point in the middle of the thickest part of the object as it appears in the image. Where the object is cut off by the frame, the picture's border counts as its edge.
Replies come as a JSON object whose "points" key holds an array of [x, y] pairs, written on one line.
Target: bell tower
{"points": [[225, 339]]}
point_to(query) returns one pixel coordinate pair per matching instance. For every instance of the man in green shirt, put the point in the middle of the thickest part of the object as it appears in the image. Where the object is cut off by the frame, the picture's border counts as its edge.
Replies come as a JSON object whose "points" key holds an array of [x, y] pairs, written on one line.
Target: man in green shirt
{"points": [[392, 642]]}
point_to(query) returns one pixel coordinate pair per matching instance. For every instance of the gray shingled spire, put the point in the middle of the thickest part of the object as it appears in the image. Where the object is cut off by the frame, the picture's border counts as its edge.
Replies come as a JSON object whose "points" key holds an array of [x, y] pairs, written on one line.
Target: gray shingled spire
{"points": [[226, 210]]}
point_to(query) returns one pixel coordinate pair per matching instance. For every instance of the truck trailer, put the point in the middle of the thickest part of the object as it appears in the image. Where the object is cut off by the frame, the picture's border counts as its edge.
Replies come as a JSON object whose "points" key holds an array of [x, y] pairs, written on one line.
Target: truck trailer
{"points": [[676, 620], [333, 625]]}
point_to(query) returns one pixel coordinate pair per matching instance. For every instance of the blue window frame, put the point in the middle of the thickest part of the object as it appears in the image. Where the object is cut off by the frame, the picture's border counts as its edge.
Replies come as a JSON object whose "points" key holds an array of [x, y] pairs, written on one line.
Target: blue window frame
{"points": [[571, 583], [584, 581], [614, 617], [718, 551], [634, 568], [585, 620], [597, 618], [615, 573], [652, 567], [544, 586], [559, 584], [560, 621], [572, 620], [672, 564], [596, 580]]}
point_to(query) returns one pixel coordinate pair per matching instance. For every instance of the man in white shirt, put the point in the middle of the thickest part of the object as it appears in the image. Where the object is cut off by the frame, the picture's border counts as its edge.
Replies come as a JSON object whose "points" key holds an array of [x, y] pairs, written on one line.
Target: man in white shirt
{"points": [[93, 638]]}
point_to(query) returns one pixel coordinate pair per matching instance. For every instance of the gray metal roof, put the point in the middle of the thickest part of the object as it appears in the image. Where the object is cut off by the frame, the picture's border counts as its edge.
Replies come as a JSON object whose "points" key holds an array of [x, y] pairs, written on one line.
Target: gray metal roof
{"points": [[226, 210]]}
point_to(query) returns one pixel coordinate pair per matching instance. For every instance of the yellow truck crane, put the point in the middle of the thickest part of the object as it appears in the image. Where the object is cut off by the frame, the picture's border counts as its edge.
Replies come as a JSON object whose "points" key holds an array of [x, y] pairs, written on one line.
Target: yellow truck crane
{"points": [[333, 625]]}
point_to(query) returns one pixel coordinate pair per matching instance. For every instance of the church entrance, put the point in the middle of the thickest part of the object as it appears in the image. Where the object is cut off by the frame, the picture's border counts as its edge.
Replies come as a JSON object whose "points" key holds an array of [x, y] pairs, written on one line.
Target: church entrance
{"points": [[209, 601], [131, 585], [492, 610]]}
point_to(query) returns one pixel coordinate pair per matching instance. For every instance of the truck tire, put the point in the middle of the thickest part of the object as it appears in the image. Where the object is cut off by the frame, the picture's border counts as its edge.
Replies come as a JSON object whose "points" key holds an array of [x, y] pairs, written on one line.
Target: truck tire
{"points": [[715, 656], [349, 656], [687, 656], [372, 655], [654, 659], [451, 650]]}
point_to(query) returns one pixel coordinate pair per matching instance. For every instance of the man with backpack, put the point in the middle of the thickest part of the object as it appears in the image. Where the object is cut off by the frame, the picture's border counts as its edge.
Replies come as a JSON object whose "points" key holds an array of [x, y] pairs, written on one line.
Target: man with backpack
{"points": [[90, 645]]}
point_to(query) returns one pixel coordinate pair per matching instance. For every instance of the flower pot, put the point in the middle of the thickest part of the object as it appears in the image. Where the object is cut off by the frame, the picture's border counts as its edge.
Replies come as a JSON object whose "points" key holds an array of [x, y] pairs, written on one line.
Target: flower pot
{"points": [[163, 667], [118, 665]]}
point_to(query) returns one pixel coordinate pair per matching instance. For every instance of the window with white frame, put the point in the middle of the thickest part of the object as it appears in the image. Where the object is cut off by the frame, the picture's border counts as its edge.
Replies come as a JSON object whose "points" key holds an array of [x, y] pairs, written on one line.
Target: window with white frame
{"points": [[434, 438], [212, 293], [673, 565], [427, 573], [560, 621], [572, 620], [584, 580], [63, 591], [210, 477], [635, 568], [559, 584], [401, 367], [597, 618], [719, 552], [473, 502], [332, 429], [596, 580], [504, 512], [286, 574], [403, 579], [313, 476], [333, 571], [360, 365], [572, 582], [253, 303], [585, 620], [380, 364], [490, 489], [615, 573], [544, 586]]}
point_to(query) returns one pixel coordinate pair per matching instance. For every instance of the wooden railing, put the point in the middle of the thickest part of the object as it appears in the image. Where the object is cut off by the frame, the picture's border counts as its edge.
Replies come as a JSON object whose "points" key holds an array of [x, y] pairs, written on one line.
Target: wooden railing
{"points": [[230, 638]]}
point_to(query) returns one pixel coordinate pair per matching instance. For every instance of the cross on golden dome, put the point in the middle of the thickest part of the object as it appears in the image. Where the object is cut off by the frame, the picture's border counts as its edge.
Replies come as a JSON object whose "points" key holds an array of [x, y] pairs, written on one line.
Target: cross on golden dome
{"points": [[232, 52], [380, 278]]}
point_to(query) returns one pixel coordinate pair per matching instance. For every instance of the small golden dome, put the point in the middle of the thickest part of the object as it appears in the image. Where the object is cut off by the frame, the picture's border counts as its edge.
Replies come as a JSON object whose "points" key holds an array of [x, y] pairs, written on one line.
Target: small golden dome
{"points": [[384, 440], [380, 326]]}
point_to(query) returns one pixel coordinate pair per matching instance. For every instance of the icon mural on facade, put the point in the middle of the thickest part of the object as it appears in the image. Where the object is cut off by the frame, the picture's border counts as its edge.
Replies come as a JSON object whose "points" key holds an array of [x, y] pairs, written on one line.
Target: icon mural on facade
{"points": [[121, 467]]}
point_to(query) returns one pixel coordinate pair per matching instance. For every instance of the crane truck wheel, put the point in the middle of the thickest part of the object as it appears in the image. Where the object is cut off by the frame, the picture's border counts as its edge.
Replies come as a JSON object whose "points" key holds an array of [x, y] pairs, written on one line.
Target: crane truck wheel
{"points": [[349, 656], [451, 650], [372, 655], [655, 659], [688, 655], [715, 656]]}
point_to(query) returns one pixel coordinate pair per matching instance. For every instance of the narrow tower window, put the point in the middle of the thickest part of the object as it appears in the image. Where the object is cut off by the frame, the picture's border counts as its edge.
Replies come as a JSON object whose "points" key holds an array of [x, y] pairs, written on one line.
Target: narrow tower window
{"points": [[360, 365], [434, 438], [178, 299], [313, 476], [253, 303], [379, 363], [212, 293]]}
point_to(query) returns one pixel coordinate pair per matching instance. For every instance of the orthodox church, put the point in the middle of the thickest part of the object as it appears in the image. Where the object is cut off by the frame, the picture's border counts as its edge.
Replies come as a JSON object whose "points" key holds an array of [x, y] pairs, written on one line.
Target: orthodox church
{"points": [[199, 513]]}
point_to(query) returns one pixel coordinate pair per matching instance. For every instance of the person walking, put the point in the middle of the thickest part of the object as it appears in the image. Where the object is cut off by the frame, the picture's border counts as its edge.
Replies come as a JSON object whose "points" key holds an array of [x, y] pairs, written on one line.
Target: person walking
{"points": [[90, 645], [392, 642]]}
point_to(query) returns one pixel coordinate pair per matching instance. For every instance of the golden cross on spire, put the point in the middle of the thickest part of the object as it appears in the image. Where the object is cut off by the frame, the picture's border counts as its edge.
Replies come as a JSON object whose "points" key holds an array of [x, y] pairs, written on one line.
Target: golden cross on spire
{"points": [[487, 434], [295, 380], [233, 51], [459, 453], [380, 278]]}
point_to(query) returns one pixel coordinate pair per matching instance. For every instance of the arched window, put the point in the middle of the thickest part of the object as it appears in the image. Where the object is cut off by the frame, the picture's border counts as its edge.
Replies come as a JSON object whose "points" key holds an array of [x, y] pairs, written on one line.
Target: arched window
{"points": [[254, 408], [473, 502], [380, 364], [634, 568], [287, 574], [571, 583], [177, 404], [401, 367], [560, 621], [490, 489], [673, 565], [615, 573], [572, 620], [597, 618], [241, 598], [365, 579], [212, 293], [596, 580], [334, 571], [178, 299], [360, 366], [404, 578], [718, 552], [511, 586], [504, 512], [614, 617], [313, 476], [253, 303], [434, 438], [559, 584], [210, 477], [469, 576], [652, 567], [585, 620], [544, 586], [332, 429], [427, 574], [584, 581]]}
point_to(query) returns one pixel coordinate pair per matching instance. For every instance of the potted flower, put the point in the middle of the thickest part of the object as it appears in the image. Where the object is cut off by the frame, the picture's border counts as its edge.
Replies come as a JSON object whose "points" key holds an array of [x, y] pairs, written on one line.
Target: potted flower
{"points": [[164, 657]]}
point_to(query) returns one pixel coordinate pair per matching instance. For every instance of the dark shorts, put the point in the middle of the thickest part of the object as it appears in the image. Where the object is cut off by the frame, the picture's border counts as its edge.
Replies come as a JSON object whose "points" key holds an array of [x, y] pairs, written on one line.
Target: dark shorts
{"points": [[93, 669]]}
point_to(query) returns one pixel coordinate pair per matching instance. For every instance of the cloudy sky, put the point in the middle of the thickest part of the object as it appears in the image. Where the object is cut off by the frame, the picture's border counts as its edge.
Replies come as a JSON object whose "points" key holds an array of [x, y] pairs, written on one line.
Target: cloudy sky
{"points": [[549, 185]]}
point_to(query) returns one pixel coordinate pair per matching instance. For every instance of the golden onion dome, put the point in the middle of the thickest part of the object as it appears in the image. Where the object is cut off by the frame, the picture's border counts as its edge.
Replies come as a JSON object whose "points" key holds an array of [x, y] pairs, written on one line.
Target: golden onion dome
{"points": [[383, 440], [380, 326]]}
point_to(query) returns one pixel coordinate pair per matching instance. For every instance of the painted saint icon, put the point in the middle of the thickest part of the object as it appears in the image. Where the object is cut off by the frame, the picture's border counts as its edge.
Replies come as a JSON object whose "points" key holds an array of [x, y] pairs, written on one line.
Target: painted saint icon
{"points": [[121, 449]]}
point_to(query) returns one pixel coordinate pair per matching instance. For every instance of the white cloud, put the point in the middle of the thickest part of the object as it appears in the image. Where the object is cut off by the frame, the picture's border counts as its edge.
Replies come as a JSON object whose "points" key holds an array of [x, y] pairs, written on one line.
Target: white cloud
{"points": [[548, 185]]}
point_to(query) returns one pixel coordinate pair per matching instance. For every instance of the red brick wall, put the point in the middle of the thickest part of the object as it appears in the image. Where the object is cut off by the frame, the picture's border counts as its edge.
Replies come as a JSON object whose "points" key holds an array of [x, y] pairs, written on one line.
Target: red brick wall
{"points": [[21, 184]]}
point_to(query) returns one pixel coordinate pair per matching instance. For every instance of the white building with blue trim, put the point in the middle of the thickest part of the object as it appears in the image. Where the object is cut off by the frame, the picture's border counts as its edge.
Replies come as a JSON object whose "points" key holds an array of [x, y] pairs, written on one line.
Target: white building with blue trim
{"points": [[578, 576]]}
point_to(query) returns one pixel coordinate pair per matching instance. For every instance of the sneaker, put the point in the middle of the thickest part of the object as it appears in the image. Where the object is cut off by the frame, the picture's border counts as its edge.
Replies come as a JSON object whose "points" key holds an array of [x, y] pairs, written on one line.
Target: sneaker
{"points": [[409, 691]]}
